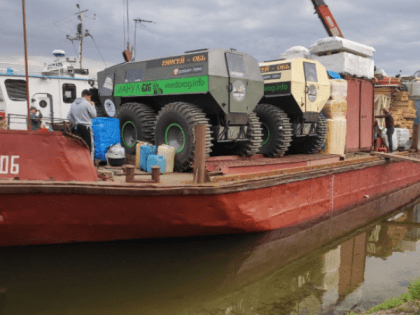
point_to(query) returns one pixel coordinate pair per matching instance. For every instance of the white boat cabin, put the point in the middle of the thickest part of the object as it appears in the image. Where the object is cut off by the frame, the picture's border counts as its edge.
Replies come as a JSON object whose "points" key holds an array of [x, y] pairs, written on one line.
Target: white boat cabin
{"points": [[52, 90]]}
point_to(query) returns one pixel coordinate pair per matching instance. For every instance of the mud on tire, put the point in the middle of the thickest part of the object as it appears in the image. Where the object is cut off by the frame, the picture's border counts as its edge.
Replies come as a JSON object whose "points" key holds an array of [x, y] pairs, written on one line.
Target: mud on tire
{"points": [[175, 125], [276, 130], [137, 122]]}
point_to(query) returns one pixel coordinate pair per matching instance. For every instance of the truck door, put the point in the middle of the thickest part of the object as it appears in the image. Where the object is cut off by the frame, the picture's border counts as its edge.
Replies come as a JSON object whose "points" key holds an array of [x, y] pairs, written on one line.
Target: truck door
{"points": [[108, 103], [311, 86], [237, 83]]}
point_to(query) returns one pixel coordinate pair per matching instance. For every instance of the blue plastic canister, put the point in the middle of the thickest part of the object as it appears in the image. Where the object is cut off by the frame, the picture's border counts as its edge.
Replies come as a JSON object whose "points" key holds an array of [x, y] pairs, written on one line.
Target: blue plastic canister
{"points": [[158, 160], [145, 151]]}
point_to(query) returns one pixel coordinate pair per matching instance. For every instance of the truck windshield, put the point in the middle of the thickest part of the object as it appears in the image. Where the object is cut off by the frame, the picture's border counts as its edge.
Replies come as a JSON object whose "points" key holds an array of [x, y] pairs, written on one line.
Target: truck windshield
{"points": [[310, 72], [236, 65], [134, 75], [108, 86]]}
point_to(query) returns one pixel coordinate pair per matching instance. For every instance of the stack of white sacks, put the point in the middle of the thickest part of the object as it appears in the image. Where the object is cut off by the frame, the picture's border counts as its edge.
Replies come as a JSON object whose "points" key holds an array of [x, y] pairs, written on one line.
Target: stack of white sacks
{"points": [[403, 137], [335, 111], [344, 56], [400, 139]]}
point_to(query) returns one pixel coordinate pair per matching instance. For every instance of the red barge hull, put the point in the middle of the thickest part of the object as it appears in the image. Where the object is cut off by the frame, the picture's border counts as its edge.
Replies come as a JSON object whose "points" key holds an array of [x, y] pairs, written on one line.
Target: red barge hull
{"points": [[47, 212]]}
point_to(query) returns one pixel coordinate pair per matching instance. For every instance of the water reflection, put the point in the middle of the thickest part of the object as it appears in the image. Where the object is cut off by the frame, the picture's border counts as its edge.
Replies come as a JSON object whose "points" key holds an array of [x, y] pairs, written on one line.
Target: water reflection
{"points": [[304, 272]]}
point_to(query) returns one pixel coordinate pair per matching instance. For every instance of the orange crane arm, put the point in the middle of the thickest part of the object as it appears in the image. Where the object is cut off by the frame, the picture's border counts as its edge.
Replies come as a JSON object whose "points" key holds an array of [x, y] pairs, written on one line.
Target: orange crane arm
{"points": [[327, 18]]}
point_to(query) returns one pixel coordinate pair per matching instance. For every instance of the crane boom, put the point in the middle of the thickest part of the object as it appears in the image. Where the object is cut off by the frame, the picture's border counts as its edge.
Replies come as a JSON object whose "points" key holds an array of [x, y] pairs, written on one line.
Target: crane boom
{"points": [[327, 18]]}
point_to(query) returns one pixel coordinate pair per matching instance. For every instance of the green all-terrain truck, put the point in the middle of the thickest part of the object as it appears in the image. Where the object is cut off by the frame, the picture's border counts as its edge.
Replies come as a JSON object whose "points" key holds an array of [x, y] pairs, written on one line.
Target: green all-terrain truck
{"points": [[295, 91], [161, 100]]}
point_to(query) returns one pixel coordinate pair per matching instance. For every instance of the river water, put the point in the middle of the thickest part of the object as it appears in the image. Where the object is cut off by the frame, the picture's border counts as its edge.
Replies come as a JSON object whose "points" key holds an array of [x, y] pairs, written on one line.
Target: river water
{"points": [[244, 274]]}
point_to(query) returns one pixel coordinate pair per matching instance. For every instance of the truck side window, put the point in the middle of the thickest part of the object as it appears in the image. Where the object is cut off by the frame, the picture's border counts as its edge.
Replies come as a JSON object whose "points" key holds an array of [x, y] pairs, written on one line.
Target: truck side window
{"points": [[134, 75], [236, 65], [310, 72], [16, 89], [69, 93], [108, 87]]}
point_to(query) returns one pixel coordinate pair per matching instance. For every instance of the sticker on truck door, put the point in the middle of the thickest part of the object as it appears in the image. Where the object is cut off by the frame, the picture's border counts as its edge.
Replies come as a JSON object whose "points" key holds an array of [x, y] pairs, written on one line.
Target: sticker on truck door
{"points": [[238, 90], [110, 108]]}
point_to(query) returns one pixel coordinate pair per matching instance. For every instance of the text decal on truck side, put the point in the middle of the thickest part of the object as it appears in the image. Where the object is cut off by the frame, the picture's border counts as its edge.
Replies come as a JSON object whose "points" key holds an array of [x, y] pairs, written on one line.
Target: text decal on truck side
{"points": [[168, 86], [277, 88], [276, 67], [178, 60]]}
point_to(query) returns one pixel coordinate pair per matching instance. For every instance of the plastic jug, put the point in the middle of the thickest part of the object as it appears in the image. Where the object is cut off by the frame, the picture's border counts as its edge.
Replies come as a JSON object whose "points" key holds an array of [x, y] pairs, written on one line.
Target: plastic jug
{"points": [[153, 160], [168, 153], [138, 145], [145, 151]]}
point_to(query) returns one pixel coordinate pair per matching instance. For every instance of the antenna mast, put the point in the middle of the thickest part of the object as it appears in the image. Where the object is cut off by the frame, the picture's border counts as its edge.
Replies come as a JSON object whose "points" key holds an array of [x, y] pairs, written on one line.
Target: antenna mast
{"points": [[135, 32], [79, 35]]}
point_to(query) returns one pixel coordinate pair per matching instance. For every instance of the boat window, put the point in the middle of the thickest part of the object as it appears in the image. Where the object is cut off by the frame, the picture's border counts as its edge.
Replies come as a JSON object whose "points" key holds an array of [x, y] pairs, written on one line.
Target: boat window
{"points": [[69, 93], [236, 65], [108, 87], [16, 89], [310, 72], [134, 75]]}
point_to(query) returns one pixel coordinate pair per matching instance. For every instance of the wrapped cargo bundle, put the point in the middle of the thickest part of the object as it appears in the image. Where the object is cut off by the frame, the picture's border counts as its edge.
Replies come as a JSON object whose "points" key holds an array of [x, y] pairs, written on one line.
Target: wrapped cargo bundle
{"points": [[296, 52], [346, 63], [336, 106], [344, 56], [106, 132], [339, 44], [334, 109], [335, 140], [338, 90], [403, 135]]}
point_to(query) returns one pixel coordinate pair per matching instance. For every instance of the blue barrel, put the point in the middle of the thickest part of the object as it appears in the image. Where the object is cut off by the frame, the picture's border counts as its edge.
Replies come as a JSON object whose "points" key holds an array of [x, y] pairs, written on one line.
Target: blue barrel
{"points": [[145, 151], [158, 160]]}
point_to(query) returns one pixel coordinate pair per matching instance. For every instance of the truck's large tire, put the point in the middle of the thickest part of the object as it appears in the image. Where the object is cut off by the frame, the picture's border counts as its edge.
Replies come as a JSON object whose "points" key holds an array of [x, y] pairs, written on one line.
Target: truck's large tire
{"points": [[254, 135], [311, 144], [276, 130], [137, 122], [175, 125]]}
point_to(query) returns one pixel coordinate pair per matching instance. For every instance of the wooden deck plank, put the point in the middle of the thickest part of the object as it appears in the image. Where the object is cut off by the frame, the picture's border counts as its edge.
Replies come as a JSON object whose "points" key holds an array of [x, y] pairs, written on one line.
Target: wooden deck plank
{"points": [[395, 157]]}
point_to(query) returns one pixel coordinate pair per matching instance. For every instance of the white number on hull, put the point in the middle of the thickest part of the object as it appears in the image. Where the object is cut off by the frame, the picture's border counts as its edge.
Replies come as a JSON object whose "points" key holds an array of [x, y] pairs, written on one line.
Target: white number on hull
{"points": [[6, 161]]}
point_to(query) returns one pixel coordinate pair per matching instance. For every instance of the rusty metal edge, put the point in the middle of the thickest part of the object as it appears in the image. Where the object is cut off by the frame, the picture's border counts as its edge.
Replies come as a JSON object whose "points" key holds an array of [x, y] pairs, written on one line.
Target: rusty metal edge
{"points": [[258, 182]]}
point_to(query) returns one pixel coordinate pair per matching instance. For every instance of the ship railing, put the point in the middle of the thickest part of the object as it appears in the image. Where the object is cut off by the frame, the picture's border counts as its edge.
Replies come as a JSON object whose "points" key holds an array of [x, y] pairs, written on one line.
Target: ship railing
{"points": [[52, 123]]}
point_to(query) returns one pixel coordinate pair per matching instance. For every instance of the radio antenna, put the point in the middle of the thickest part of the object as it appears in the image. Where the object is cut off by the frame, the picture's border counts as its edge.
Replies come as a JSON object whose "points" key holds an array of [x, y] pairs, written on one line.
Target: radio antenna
{"points": [[135, 35], [79, 35]]}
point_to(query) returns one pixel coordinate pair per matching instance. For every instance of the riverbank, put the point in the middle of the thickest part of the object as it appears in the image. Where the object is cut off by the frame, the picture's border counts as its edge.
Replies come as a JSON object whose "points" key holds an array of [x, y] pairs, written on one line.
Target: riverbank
{"points": [[407, 308], [406, 304]]}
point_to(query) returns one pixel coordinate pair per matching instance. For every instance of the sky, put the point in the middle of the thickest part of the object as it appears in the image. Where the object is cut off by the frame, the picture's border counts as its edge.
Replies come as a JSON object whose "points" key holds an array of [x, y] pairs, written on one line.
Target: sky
{"points": [[263, 29]]}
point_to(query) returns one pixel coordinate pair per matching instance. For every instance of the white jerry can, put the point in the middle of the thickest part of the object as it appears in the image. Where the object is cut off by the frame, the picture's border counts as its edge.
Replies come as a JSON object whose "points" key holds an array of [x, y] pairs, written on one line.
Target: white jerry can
{"points": [[169, 153]]}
